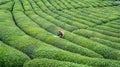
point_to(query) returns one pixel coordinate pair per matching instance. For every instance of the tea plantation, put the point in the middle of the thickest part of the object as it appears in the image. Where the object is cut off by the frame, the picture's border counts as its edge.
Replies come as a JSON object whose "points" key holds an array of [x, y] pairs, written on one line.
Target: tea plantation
{"points": [[28, 33]]}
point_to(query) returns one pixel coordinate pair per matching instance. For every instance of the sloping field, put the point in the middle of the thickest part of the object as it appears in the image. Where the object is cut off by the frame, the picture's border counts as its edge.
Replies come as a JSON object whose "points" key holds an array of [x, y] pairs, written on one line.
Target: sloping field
{"points": [[28, 33]]}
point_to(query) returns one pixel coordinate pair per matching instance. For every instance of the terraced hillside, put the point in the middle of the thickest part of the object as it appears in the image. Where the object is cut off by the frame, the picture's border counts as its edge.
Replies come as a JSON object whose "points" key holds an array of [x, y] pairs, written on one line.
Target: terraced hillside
{"points": [[28, 33]]}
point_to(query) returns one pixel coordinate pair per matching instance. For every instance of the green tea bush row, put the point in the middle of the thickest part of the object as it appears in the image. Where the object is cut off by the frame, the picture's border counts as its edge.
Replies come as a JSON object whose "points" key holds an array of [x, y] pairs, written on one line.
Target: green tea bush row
{"points": [[17, 6], [68, 4], [34, 30], [10, 57], [73, 23], [57, 16], [79, 3], [94, 3], [26, 5], [90, 3], [51, 63], [79, 15], [72, 4], [88, 13], [83, 13], [62, 19], [63, 23], [74, 38], [81, 24], [5, 17], [111, 38], [71, 18], [102, 10], [37, 49], [105, 32], [66, 56], [116, 22], [7, 6], [53, 14], [48, 4], [89, 33], [108, 29], [4, 1], [57, 22], [113, 25], [54, 4], [104, 15], [106, 42], [61, 4]]}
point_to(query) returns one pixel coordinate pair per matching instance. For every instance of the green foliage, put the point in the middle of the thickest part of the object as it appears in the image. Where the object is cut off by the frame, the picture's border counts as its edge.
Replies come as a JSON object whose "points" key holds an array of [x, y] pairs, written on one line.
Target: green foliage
{"points": [[108, 28], [84, 18], [67, 56], [4, 1], [10, 57], [26, 5], [113, 25], [59, 23], [5, 16], [17, 6], [51, 63], [73, 38], [89, 34], [69, 15], [30, 26], [107, 37], [106, 32], [43, 50], [6, 6], [34, 30], [106, 42]]}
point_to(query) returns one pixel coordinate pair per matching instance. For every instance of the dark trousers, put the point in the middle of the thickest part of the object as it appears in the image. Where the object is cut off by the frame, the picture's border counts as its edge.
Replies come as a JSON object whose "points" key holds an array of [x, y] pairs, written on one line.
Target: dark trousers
{"points": [[60, 35]]}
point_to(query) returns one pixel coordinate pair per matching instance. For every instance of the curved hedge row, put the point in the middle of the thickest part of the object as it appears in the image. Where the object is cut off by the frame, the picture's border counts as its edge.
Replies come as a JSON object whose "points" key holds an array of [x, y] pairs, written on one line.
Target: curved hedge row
{"points": [[108, 29], [79, 14], [107, 37], [116, 22], [63, 20], [34, 30], [73, 19], [86, 13], [6, 6], [60, 19], [105, 32], [77, 17], [51, 63], [69, 4], [67, 56], [102, 13], [22, 33], [106, 42], [93, 14], [75, 38], [59, 23], [4, 1], [17, 6], [89, 34], [35, 48], [113, 25], [10, 57]]}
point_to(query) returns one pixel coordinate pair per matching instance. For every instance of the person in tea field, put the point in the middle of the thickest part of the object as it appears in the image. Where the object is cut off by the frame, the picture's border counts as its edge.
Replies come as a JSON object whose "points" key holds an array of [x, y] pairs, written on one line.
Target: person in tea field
{"points": [[60, 33]]}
